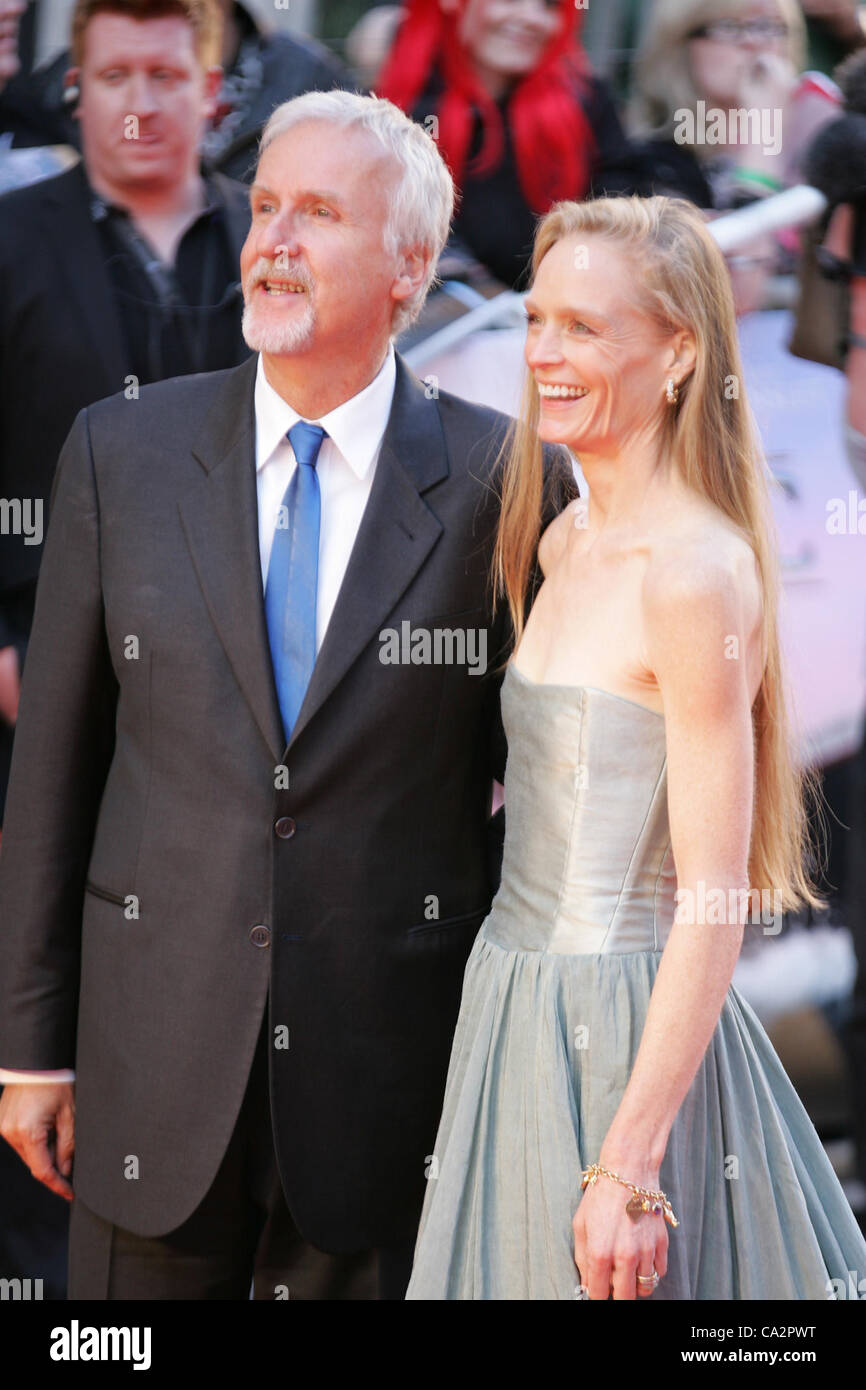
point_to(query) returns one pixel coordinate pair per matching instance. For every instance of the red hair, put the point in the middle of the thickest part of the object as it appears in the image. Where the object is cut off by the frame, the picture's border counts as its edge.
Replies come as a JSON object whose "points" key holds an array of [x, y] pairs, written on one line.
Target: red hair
{"points": [[553, 139]]}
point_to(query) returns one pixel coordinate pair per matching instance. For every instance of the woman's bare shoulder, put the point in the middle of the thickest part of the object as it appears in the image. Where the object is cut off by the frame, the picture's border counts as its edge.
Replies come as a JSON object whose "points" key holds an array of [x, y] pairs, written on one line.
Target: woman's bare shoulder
{"points": [[705, 553]]}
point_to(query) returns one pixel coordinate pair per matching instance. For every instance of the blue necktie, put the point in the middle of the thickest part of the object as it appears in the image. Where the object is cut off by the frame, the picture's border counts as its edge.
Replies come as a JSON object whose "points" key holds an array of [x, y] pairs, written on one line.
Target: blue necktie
{"points": [[293, 571]]}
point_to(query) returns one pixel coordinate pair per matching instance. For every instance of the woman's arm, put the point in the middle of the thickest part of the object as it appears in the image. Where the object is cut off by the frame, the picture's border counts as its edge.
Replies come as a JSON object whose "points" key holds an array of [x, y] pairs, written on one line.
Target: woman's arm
{"points": [[697, 631]]}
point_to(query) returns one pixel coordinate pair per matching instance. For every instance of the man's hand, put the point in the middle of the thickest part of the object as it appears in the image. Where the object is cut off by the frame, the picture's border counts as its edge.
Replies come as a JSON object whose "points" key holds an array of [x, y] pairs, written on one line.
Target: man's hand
{"points": [[38, 1120], [10, 684]]}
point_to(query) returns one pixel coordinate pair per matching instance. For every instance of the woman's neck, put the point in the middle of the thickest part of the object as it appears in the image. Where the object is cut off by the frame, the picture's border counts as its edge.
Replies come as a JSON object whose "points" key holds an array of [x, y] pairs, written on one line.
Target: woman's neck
{"points": [[496, 84]]}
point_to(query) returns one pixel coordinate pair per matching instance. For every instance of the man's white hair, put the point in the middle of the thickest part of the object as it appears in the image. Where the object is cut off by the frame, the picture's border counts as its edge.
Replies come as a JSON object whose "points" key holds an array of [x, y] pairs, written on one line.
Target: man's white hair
{"points": [[421, 208]]}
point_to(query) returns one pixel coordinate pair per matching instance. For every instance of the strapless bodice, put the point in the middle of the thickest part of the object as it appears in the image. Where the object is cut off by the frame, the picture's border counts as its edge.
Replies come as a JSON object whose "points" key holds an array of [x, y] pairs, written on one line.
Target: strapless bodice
{"points": [[587, 863]]}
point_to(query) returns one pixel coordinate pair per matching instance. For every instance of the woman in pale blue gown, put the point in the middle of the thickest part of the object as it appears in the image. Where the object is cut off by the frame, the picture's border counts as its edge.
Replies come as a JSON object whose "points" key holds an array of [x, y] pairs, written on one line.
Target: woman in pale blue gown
{"points": [[654, 805]]}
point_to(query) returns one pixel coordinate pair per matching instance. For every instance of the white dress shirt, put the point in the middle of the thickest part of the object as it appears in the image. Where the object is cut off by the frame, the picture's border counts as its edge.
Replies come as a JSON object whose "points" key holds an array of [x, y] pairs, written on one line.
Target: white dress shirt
{"points": [[346, 467]]}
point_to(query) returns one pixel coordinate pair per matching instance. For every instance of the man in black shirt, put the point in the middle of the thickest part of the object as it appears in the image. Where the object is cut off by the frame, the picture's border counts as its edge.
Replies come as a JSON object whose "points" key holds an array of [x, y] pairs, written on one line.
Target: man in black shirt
{"points": [[121, 271]]}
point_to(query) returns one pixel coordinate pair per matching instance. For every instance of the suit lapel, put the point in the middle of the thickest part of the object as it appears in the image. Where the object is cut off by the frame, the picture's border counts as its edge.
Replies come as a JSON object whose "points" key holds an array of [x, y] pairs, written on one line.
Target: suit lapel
{"points": [[220, 520], [397, 533]]}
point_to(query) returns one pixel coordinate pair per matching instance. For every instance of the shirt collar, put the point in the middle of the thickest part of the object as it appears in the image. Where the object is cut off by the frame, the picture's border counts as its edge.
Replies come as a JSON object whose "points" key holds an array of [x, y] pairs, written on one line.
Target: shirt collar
{"points": [[101, 207], [356, 426]]}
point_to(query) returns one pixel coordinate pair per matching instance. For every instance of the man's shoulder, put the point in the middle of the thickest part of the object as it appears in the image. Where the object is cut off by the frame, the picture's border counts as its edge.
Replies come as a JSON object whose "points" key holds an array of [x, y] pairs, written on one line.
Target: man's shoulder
{"points": [[474, 434], [461, 413], [178, 402], [490, 426], [19, 205]]}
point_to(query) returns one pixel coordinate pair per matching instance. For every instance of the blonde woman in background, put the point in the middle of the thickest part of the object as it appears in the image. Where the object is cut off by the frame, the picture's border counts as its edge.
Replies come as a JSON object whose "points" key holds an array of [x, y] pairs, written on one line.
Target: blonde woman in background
{"points": [[651, 782], [700, 56]]}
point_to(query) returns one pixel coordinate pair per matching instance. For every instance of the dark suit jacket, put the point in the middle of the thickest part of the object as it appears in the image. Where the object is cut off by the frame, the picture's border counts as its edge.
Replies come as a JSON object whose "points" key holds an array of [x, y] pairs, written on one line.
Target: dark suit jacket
{"points": [[145, 764], [61, 344]]}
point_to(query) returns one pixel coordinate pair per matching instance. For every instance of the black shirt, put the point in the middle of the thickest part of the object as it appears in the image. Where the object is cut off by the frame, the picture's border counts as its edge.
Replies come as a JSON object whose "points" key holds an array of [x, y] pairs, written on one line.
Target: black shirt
{"points": [[175, 319], [493, 218]]}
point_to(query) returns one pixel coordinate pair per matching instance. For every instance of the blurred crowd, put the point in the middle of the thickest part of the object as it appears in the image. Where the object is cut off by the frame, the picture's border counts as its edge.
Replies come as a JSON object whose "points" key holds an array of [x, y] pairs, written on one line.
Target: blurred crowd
{"points": [[126, 155]]}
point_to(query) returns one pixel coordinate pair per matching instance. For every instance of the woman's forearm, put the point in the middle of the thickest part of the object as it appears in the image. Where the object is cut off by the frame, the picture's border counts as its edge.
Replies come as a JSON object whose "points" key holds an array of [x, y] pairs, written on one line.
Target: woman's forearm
{"points": [[693, 978]]}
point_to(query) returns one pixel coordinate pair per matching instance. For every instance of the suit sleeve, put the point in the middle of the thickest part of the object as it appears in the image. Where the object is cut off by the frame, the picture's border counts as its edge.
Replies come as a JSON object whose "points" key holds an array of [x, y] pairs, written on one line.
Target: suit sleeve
{"points": [[30, 1078], [64, 741]]}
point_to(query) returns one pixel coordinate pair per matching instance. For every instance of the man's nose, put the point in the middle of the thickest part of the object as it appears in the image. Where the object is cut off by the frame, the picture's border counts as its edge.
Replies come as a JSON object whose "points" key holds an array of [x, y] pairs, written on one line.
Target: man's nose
{"points": [[752, 39], [142, 95], [279, 237]]}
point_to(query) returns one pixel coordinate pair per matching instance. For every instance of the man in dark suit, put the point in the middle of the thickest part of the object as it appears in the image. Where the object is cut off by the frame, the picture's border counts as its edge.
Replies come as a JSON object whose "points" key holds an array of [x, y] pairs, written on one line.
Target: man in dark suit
{"points": [[246, 851], [118, 272]]}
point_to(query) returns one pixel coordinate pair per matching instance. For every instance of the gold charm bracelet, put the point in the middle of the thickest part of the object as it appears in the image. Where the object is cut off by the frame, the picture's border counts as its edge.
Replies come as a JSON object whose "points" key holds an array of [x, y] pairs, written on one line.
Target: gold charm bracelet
{"points": [[643, 1201]]}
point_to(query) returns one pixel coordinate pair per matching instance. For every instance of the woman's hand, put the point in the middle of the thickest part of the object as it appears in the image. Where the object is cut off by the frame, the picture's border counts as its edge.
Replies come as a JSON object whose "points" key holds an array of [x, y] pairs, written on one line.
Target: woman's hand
{"points": [[610, 1249], [767, 82]]}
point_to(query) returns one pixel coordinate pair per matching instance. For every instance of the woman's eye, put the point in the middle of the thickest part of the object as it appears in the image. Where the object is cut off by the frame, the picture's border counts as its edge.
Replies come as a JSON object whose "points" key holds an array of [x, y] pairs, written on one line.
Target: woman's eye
{"points": [[577, 323], [326, 211], [530, 318]]}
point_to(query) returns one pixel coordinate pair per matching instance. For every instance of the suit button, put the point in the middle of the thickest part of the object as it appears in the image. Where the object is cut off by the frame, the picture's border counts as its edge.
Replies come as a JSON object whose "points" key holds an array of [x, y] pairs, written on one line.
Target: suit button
{"points": [[260, 936], [285, 827]]}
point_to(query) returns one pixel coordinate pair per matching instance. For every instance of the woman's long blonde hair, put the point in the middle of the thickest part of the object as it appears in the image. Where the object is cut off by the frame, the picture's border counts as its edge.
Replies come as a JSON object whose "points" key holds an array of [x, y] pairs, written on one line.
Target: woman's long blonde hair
{"points": [[680, 280]]}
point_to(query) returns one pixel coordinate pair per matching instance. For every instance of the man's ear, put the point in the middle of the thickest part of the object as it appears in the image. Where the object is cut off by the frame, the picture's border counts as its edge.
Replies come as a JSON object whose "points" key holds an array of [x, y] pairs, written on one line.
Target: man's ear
{"points": [[72, 91], [213, 79], [412, 270]]}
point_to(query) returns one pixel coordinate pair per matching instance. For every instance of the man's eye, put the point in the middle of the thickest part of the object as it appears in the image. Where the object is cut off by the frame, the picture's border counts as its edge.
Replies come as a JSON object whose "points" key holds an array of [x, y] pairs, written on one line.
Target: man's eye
{"points": [[530, 318], [321, 209], [577, 323], [265, 207]]}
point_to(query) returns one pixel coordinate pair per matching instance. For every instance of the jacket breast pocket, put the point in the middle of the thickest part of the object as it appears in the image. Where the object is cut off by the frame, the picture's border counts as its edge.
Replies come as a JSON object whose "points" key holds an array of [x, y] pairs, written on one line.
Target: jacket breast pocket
{"points": [[463, 617], [121, 899], [457, 639], [444, 924]]}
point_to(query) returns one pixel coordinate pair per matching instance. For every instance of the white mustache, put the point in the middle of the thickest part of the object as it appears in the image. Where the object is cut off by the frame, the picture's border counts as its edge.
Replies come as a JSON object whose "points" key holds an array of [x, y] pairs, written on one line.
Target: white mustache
{"points": [[263, 269]]}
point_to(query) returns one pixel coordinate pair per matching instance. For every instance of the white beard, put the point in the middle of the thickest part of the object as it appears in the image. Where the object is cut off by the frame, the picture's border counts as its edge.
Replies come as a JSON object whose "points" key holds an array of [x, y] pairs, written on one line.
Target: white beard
{"points": [[278, 338]]}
